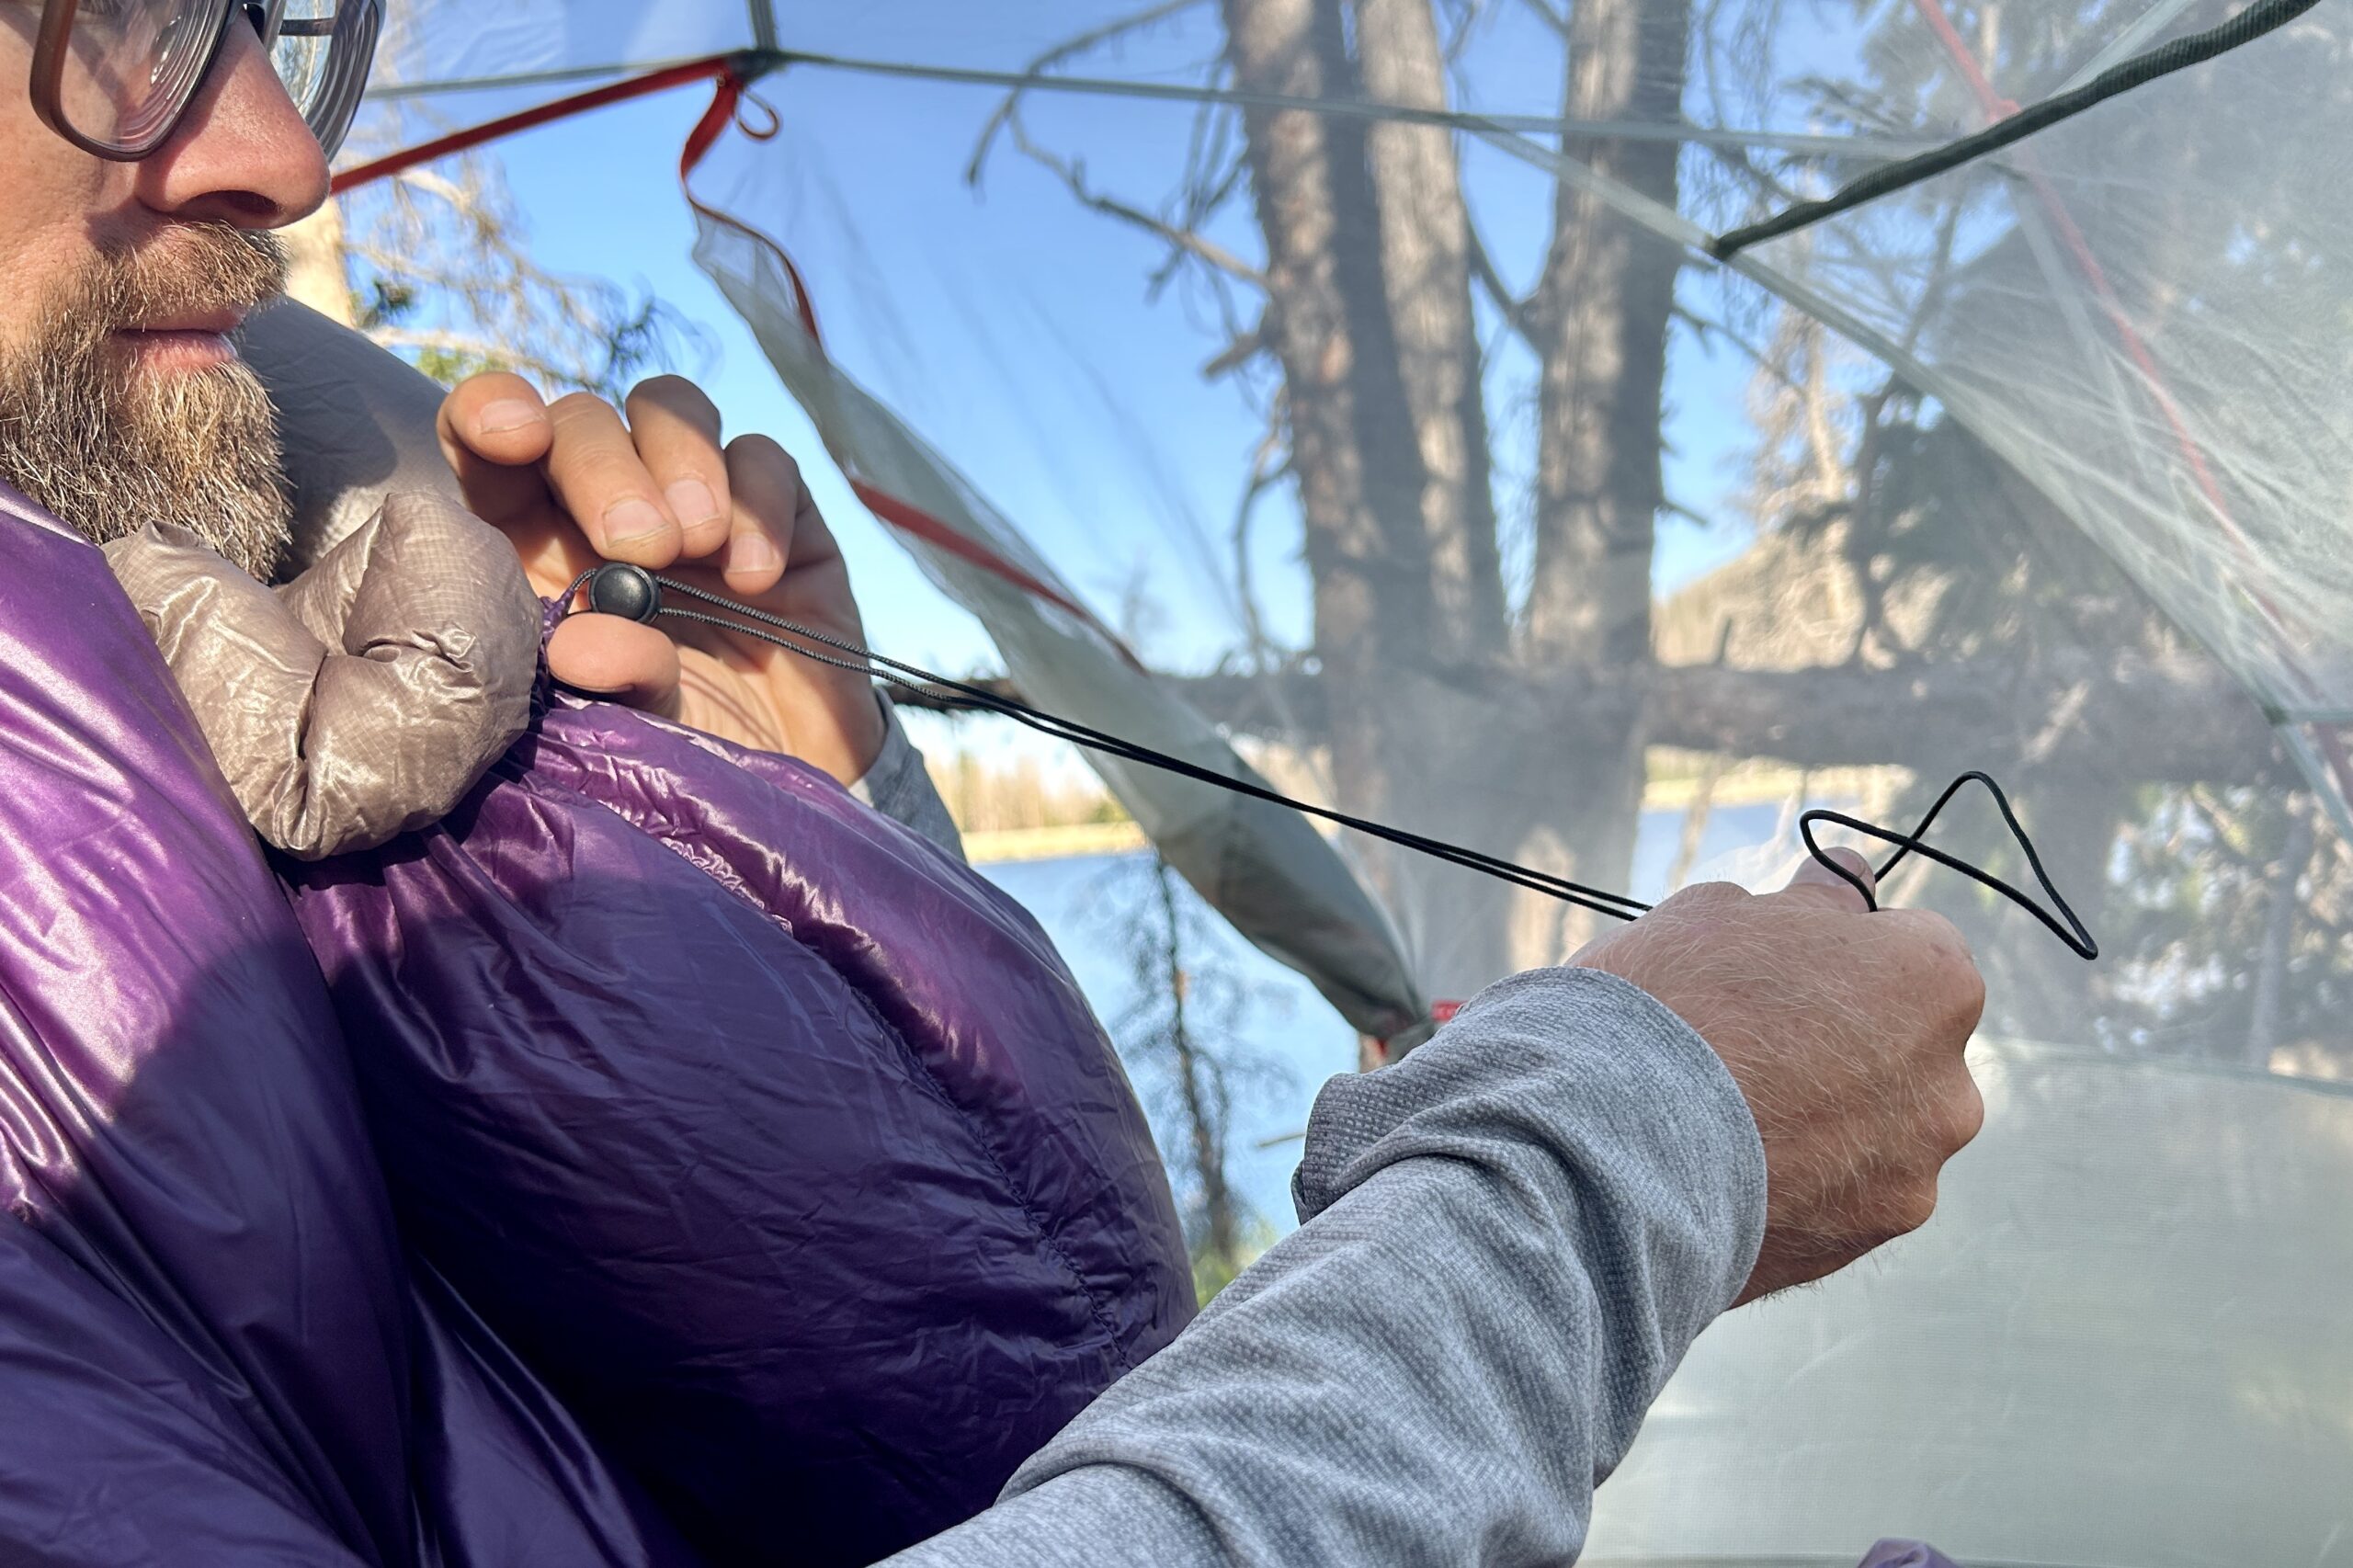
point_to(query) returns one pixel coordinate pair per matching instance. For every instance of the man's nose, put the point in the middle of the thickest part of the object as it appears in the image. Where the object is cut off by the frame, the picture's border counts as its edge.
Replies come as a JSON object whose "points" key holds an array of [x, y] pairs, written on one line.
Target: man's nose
{"points": [[243, 154]]}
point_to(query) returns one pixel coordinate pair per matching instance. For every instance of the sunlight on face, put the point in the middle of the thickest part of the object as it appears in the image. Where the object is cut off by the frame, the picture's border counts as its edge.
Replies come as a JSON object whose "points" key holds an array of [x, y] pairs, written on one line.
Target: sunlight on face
{"points": [[122, 398], [125, 404]]}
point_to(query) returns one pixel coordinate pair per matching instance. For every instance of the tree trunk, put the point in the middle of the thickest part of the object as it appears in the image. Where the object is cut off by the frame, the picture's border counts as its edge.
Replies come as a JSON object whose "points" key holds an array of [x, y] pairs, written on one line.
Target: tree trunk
{"points": [[1205, 1112], [1602, 313], [1604, 307], [1353, 451], [1356, 445], [1425, 263], [318, 264]]}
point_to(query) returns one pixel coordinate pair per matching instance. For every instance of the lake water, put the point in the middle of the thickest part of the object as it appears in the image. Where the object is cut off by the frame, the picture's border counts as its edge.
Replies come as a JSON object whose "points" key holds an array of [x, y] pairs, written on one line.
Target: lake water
{"points": [[1287, 1027]]}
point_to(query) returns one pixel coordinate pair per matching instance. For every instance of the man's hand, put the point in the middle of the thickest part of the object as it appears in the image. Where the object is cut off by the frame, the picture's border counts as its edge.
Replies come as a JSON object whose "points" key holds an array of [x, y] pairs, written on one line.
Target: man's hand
{"points": [[1844, 1030], [573, 484]]}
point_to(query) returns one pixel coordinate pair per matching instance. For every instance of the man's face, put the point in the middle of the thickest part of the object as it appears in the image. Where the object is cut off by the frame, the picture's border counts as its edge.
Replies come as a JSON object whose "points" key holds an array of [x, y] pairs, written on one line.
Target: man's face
{"points": [[122, 398]]}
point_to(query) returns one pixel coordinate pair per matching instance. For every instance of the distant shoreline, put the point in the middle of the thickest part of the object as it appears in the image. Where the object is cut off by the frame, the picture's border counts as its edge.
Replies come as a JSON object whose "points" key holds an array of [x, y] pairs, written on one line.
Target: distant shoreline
{"points": [[1012, 845], [1741, 786]]}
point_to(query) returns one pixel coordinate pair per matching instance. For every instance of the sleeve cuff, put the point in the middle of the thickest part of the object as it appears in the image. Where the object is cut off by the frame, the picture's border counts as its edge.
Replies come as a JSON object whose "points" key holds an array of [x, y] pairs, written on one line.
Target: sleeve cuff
{"points": [[889, 763], [900, 787]]}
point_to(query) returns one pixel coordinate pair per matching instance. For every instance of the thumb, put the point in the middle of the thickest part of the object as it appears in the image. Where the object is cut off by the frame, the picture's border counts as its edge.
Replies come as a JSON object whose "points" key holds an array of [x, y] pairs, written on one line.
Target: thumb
{"points": [[623, 660], [1817, 882]]}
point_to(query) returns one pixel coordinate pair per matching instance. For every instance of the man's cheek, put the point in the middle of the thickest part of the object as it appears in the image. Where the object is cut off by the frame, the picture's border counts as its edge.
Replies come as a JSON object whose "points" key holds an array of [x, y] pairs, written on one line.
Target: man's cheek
{"points": [[43, 261], [58, 205]]}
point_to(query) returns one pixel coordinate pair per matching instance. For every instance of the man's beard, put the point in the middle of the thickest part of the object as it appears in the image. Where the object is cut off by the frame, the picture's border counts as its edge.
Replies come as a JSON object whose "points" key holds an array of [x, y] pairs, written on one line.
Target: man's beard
{"points": [[109, 447]]}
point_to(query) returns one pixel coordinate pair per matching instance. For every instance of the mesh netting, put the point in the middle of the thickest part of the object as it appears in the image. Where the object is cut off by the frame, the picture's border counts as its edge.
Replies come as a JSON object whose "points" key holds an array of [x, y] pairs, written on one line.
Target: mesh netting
{"points": [[1500, 514]]}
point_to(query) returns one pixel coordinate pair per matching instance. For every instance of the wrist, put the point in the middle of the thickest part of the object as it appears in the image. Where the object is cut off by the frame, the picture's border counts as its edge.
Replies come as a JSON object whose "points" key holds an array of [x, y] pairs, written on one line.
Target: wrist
{"points": [[866, 732]]}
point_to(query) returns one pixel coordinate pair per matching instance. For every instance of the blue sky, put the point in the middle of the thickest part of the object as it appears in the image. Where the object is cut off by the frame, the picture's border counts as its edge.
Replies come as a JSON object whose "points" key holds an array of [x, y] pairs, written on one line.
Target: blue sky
{"points": [[1013, 331]]}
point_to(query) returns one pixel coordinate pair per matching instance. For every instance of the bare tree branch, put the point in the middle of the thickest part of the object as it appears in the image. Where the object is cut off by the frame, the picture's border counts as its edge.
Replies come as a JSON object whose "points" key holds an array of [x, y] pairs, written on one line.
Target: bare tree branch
{"points": [[1185, 241], [1068, 49], [429, 180], [1468, 15], [1215, 160], [1706, 326], [1244, 347], [434, 263], [2156, 719], [2161, 720], [1519, 313], [1773, 192], [468, 347], [1675, 508], [1553, 19]]}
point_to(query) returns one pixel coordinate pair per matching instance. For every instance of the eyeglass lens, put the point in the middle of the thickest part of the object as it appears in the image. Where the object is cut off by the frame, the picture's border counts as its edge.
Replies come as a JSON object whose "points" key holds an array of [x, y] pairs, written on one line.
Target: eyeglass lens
{"points": [[130, 66], [301, 54]]}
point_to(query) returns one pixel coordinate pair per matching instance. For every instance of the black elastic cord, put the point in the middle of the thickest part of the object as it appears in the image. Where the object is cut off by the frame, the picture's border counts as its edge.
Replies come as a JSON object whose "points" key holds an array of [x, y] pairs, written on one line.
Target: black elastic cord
{"points": [[2258, 19], [2072, 932], [899, 673], [643, 599]]}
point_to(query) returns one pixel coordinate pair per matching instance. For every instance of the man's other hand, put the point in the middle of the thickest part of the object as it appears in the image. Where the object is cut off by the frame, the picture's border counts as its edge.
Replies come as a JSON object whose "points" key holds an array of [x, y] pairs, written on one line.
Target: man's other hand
{"points": [[576, 483], [1844, 1030]]}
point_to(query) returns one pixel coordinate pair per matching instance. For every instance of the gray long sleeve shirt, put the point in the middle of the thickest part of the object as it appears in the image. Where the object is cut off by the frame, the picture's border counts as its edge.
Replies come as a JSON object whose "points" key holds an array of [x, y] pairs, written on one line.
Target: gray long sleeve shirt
{"points": [[1508, 1240], [899, 785]]}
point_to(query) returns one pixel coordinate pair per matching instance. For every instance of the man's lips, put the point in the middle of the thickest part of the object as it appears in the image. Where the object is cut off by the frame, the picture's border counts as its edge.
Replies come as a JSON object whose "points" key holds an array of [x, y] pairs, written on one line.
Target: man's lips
{"points": [[193, 341], [221, 323]]}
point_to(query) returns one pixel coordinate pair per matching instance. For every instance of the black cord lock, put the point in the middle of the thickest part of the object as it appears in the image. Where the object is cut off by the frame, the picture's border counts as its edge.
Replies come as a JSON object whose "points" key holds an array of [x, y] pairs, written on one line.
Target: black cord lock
{"points": [[630, 592]]}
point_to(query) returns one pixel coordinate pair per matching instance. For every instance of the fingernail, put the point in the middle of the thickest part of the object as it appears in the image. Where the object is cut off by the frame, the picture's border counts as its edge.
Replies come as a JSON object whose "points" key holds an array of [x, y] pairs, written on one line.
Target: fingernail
{"points": [[509, 413], [691, 502], [632, 521], [751, 552]]}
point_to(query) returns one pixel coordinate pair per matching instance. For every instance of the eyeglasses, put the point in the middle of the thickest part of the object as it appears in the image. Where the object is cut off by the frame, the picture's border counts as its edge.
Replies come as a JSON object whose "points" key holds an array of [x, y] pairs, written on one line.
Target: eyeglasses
{"points": [[114, 78]]}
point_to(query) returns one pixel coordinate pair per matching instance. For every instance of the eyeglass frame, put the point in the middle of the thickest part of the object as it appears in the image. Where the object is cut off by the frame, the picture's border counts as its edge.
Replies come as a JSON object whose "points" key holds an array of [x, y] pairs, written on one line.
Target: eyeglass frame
{"points": [[348, 69]]}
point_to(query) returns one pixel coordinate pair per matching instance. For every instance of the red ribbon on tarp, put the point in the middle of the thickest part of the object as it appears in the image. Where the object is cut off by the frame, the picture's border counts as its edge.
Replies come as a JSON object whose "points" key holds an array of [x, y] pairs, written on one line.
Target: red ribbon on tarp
{"points": [[719, 66], [732, 75]]}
